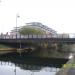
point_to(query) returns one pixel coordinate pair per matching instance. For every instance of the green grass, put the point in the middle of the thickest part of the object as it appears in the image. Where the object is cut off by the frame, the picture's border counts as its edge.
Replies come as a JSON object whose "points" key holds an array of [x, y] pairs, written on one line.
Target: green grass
{"points": [[4, 46]]}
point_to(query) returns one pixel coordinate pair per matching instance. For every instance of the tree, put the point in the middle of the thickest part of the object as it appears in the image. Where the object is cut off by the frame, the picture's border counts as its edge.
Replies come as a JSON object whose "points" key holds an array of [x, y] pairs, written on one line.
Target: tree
{"points": [[29, 30]]}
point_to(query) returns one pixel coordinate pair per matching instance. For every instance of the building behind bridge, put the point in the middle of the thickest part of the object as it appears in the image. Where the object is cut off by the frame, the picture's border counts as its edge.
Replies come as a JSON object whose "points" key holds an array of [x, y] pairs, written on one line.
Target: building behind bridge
{"points": [[39, 25], [35, 25]]}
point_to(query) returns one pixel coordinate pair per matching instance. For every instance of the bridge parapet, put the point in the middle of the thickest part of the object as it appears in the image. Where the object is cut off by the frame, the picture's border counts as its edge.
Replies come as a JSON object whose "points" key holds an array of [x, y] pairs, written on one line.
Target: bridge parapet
{"points": [[35, 36]]}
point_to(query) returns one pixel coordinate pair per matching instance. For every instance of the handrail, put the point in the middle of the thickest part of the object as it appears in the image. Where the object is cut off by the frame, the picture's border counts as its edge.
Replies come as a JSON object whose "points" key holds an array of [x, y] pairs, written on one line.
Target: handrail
{"points": [[35, 36]]}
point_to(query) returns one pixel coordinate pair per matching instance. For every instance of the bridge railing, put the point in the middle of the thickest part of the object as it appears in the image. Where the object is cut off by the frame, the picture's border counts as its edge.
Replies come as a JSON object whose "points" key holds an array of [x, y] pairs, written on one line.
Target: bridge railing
{"points": [[37, 36]]}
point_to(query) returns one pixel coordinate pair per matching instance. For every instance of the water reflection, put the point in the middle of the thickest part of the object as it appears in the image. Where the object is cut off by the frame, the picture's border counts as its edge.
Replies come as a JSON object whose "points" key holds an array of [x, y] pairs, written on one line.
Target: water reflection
{"points": [[8, 68], [16, 65]]}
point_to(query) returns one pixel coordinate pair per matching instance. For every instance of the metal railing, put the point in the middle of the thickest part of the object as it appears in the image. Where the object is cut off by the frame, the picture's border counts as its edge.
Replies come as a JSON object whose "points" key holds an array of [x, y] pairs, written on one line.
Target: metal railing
{"points": [[35, 36]]}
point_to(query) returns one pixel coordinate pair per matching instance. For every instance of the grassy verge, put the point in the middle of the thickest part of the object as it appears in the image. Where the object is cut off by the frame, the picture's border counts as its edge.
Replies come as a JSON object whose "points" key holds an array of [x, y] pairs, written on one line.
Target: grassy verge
{"points": [[4, 47]]}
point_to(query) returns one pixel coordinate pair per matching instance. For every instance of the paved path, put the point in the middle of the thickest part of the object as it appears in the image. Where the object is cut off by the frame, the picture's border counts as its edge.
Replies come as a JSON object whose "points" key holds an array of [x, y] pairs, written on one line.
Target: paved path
{"points": [[68, 68]]}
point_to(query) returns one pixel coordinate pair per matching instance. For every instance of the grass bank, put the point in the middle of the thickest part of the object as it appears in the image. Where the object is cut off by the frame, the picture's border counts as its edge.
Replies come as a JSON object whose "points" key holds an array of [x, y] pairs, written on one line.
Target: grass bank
{"points": [[4, 47]]}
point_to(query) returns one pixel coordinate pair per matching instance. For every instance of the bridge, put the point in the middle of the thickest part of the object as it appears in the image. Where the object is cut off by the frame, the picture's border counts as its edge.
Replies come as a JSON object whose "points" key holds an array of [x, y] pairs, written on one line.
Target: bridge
{"points": [[33, 41], [23, 39], [36, 38]]}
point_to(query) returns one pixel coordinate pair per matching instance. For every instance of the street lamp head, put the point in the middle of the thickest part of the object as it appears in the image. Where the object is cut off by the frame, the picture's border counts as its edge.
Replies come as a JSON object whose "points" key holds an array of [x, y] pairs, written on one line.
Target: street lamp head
{"points": [[18, 16]]}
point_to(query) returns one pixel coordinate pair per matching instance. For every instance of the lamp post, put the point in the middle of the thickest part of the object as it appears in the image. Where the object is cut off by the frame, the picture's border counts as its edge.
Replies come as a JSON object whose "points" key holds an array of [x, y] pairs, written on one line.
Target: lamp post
{"points": [[15, 68], [17, 16]]}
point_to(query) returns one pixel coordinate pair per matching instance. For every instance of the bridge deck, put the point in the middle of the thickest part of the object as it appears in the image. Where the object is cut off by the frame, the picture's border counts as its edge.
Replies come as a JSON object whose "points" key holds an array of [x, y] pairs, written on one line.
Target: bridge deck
{"points": [[23, 40]]}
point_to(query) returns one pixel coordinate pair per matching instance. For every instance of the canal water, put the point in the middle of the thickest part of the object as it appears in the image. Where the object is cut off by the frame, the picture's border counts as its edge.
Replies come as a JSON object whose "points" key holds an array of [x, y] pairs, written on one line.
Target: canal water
{"points": [[14, 64]]}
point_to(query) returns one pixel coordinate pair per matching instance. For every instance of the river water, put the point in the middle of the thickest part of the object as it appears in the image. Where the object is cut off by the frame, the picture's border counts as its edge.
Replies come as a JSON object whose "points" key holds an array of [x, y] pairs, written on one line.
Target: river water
{"points": [[20, 65], [8, 68]]}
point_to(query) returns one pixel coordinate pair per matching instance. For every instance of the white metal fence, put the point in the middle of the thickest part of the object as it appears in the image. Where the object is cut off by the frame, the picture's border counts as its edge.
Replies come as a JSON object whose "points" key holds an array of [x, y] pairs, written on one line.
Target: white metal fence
{"points": [[37, 36]]}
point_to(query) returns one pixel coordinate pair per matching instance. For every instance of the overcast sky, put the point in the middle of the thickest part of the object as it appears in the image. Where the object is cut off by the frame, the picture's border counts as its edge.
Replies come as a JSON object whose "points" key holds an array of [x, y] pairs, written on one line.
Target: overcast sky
{"points": [[57, 14]]}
